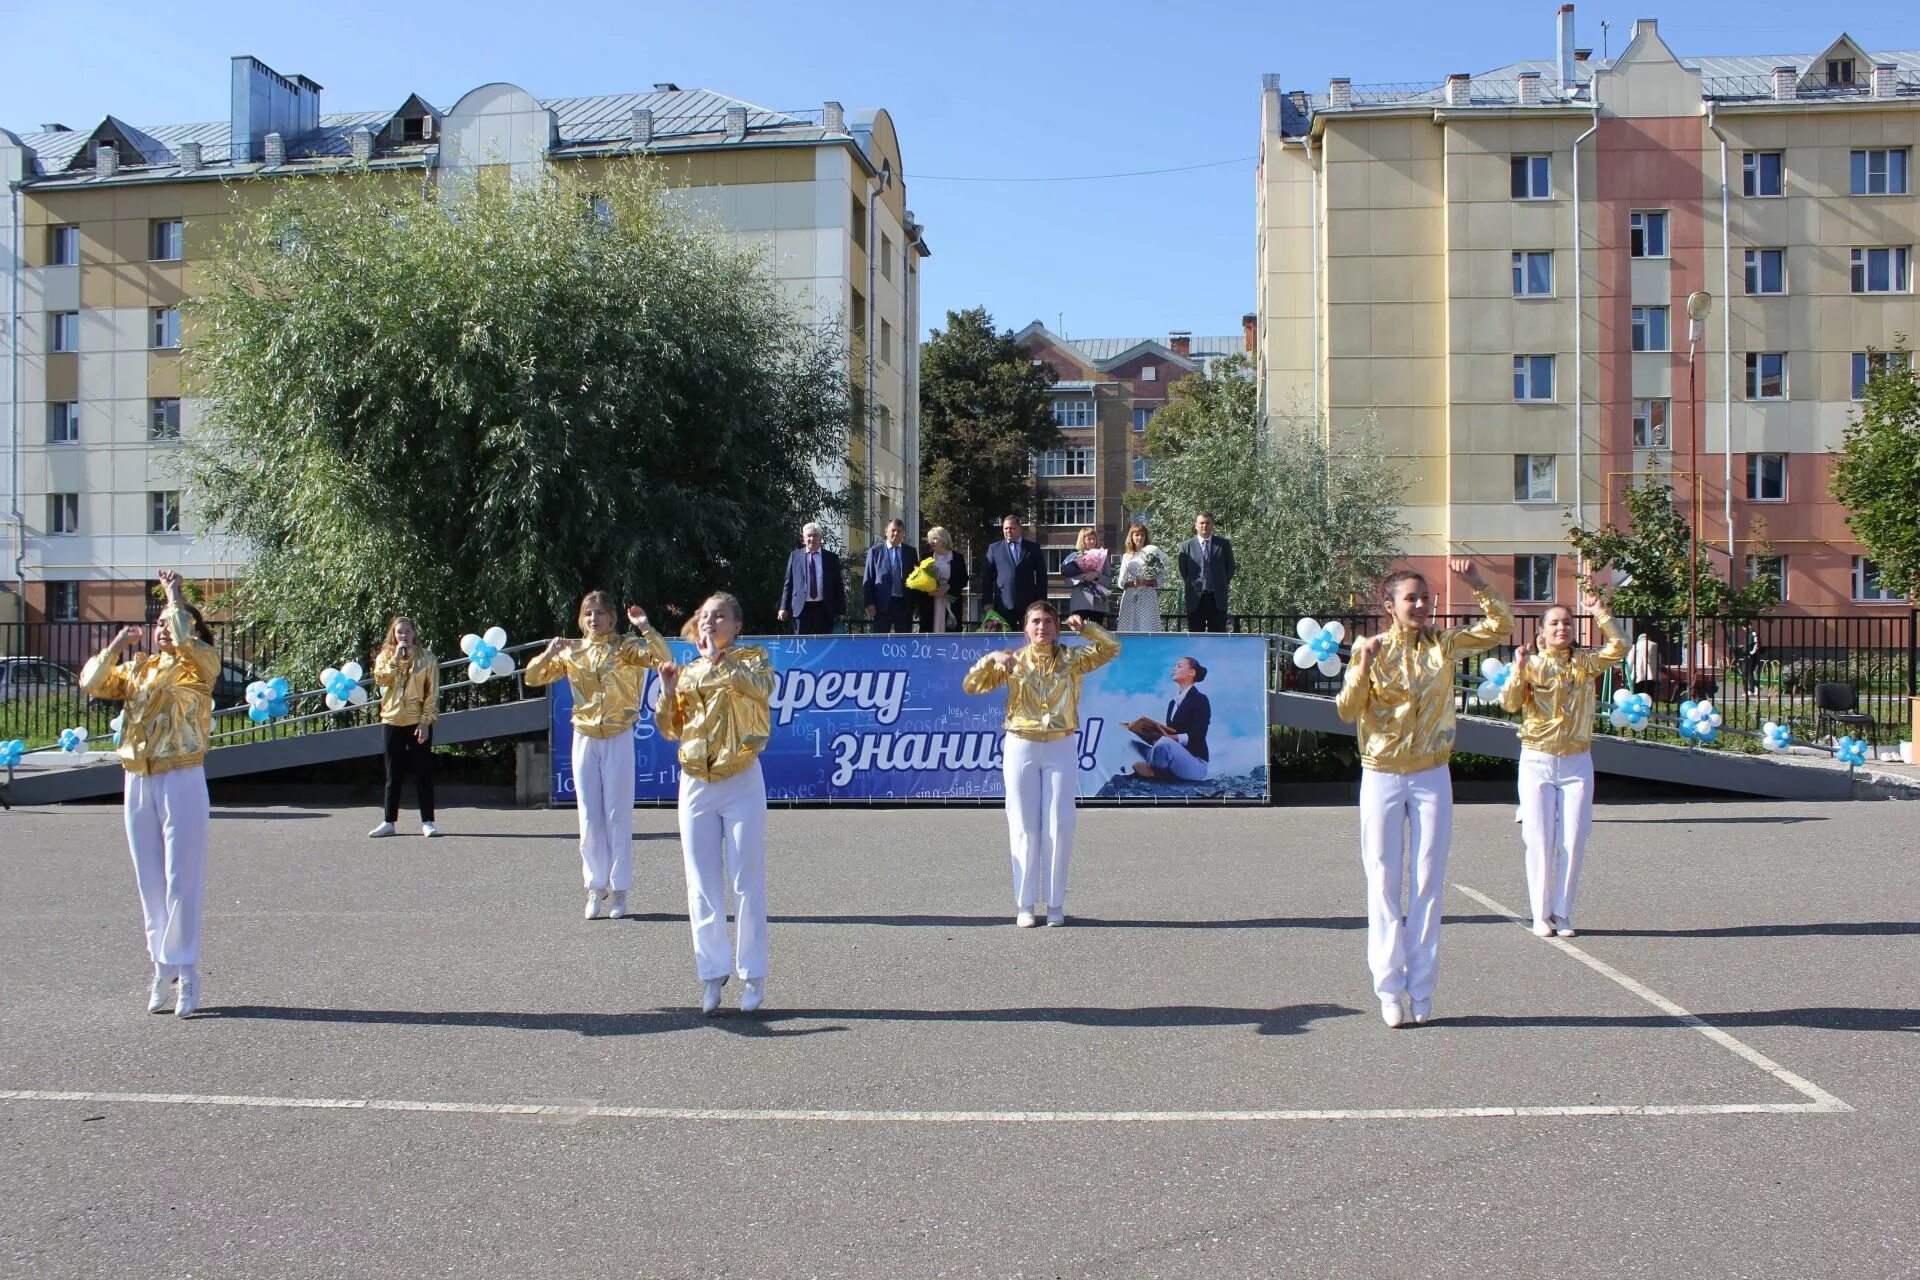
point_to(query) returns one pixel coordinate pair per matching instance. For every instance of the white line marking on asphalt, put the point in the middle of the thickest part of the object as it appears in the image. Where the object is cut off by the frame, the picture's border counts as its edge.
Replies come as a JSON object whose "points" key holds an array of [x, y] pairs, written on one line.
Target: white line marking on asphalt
{"points": [[1822, 1100]]}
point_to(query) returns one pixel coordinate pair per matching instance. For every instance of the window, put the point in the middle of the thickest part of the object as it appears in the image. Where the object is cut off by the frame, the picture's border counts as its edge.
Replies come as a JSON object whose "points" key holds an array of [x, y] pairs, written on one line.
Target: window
{"points": [[63, 513], [886, 256], [1866, 583], [63, 331], [858, 319], [1766, 375], [1533, 579], [1533, 377], [1533, 275], [1868, 365], [883, 426], [63, 602], [415, 128], [166, 239], [1056, 557], [1073, 413], [1763, 173], [1650, 329], [1839, 71], [63, 246], [63, 422], [166, 328], [1775, 567], [599, 208], [1066, 511], [1650, 419], [1141, 417], [1533, 477], [1149, 373], [1766, 477], [1879, 172], [163, 418], [1141, 472], [1532, 177], [859, 222], [1647, 233], [886, 342], [1063, 462], [1880, 270], [164, 508], [1766, 271]]}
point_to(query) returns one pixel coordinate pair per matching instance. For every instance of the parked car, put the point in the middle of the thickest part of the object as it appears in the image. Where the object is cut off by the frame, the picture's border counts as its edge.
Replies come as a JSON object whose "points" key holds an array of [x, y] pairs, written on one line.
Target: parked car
{"points": [[36, 679]]}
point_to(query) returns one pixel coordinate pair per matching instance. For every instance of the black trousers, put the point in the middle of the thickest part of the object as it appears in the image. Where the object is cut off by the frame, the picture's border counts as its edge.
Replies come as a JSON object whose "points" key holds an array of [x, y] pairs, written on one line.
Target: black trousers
{"points": [[813, 619], [893, 616], [405, 754], [1206, 613]]}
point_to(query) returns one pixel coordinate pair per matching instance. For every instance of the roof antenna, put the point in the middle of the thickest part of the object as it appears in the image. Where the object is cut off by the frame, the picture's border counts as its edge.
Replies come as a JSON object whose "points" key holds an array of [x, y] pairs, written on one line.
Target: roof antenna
{"points": [[1604, 57], [1060, 323]]}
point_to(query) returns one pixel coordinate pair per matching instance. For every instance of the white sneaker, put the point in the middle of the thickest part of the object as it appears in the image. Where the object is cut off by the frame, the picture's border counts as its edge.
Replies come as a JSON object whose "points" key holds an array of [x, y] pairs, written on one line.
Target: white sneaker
{"points": [[1541, 929], [595, 905], [189, 998], [1422, 1012], [1024, 920], [1393, 1013], [617, 905], [710, 998], [162, 990], [384, 829], [428, 830], [752, 993], [1565, 928], [1055, 919]]}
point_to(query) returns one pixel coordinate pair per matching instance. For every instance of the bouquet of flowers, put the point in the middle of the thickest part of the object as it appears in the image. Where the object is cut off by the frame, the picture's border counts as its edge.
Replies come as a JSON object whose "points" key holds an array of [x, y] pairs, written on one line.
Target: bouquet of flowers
{"points": [[1153, 565], [1092, 561]]}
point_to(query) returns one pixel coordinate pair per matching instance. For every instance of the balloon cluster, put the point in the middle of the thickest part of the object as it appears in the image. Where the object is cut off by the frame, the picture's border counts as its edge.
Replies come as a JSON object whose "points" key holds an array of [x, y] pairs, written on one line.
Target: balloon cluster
{"points": [[1699, 721], [1319, 646], [1775, 737], [73, 740], [1630, 710], [1494, 675], [484, 659], [1851, 752], [10, 752], [267, 699], [342, 684], [116, 724]]}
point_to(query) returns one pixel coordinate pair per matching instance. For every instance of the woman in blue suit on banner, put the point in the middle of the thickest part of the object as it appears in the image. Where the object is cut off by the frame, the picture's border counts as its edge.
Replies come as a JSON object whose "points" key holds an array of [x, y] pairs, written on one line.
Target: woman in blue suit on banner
{"points": [[1041, 751]]}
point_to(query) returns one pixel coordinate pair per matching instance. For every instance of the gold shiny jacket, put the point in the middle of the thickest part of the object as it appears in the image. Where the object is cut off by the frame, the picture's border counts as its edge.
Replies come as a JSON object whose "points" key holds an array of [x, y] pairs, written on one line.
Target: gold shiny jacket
{"points": [[1556, 692], [1043, 690], [1402, 708], [411, 696], [168, 696], [608, 674], [718, 712]]}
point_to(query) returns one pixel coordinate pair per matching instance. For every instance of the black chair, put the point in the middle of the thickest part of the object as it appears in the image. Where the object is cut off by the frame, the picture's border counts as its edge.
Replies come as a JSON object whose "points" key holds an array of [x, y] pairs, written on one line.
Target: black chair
{"points": [[1839, 704]]}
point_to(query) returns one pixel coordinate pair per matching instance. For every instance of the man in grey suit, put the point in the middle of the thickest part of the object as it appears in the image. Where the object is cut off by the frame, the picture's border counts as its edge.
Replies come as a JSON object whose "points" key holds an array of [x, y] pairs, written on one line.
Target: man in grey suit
{"points": [[1206, 567]]}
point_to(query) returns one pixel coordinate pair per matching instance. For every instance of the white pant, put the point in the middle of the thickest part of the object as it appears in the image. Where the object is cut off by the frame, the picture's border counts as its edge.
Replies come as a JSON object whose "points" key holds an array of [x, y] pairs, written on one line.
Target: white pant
{"points": [[1042, 779], [1556, 815], [603, 792], [723, 832], [166, 815], [1404, 952]]}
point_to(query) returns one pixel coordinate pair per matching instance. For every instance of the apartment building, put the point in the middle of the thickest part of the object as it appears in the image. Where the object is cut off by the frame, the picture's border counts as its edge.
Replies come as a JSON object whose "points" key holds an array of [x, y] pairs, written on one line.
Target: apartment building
{"points": [[104, 228], [1492, 271], [1108, 390]]}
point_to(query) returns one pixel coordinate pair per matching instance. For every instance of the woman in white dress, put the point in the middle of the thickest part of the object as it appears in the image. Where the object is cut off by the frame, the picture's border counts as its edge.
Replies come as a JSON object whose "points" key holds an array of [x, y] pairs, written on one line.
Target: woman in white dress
{"points": [[1140, 570]]}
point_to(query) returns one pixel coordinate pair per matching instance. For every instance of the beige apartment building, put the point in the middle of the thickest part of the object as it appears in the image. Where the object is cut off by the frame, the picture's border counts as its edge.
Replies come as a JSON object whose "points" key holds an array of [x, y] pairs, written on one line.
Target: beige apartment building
{"points": [[105, 227], [1493, 273]]}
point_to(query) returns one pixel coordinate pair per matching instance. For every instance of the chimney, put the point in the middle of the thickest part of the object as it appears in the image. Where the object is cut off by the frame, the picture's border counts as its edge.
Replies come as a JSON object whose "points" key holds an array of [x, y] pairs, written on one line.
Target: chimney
{"points": [[665, 86], [1529, 88], [1460, 90], [275, 151], [1339, 94], [360, 145], [1786, 83], [833, 117], [736, 124], [1581, 55], [1646, 27], [1250, 332], [1564, 49], [187, 156], [1181, 340], [54, 126], [643, 126], [264, 101], [1886, 81], [106, 160]]}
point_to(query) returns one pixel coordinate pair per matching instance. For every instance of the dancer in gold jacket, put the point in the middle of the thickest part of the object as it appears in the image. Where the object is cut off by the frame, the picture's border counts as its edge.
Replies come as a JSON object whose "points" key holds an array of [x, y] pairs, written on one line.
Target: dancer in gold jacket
{"points": [[168, 692], [1553, 690], [409, 679]]}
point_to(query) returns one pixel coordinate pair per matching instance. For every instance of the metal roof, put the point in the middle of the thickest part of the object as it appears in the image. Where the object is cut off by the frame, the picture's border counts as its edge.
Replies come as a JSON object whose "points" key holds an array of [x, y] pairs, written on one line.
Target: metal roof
{"points": [[1099, 350]]}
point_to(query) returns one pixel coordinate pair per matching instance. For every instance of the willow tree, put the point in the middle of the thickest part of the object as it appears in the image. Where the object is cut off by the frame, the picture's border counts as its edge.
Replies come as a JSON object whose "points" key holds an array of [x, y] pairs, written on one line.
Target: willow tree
{"points": [[472, 406]]}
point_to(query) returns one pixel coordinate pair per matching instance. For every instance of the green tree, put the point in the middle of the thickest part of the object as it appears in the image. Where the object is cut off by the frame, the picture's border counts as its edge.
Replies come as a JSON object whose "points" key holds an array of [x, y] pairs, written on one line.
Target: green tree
{"points": [[474, 406], [1651, 553], [1877, 475], [985, 409], [1313, 528]]}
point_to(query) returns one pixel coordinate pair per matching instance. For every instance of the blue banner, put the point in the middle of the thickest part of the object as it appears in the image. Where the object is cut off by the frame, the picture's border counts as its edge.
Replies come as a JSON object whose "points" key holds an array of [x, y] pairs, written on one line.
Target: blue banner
{"points": [[884, 718]]}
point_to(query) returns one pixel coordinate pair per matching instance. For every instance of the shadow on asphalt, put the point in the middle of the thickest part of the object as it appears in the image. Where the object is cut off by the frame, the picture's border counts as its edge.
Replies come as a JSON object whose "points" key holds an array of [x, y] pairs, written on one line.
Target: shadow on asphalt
{"points": [[1834, 929], [571, 837], [267, 815], [1818, 1019], [1095, 922], [1780, 820]]}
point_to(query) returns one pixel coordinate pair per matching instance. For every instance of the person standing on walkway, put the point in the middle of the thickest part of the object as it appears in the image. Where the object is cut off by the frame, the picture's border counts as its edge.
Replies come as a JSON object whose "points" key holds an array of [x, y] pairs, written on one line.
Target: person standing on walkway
{"points": [[164, 732], [1399, 696], [1041, 751], [409, 680], [1554, 692], [607, 674], [717, 709], [1206, 568], [813, 595]]}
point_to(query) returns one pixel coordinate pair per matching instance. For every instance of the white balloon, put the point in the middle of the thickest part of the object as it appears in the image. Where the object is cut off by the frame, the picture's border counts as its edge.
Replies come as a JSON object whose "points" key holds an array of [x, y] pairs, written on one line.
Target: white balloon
{"points": [[479, 674], [1330, 666], [1491, 666], [495, 637], [1303, 657], [1307, 629], [334, 704], [1618, 719], [502, 665], [327, 674], [357, 696], [352, 671], [1715, 720], [468, 641], [1621, 697], [1338, 630]]}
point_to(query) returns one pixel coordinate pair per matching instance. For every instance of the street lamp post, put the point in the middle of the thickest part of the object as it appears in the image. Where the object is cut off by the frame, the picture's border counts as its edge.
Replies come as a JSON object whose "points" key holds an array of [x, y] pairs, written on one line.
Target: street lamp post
{"points": [[1699, 306]]}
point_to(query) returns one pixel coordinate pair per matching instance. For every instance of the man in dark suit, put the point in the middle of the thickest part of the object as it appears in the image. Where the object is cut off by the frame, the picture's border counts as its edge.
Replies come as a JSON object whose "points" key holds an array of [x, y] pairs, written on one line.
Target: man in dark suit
{"points": [[1015, 577], [814, 594], [883, 583], [1182, 750], [1206, 568]]}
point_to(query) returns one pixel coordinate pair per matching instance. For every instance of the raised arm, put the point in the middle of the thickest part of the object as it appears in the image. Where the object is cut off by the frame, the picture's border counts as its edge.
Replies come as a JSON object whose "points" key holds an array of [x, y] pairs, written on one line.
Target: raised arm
{"points": [[1492, 629], [1356, 691], [989, 673], [105, 675], [1613, 645], [550, 664], [1101, 648], [1513, 694]]}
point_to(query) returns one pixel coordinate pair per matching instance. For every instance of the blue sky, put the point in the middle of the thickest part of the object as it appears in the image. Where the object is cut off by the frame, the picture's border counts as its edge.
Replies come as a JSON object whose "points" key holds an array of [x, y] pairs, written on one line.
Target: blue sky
{"points": [[979, 89]]}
